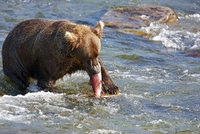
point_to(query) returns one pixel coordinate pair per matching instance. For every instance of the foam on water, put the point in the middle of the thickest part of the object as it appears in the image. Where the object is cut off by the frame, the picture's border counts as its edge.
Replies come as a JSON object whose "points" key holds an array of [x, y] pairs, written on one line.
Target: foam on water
{"points": [[178, 39], [51, 109], [23, 108], [157, 121], [196, 17], [182, 37], [104, 131], [146, 75]]}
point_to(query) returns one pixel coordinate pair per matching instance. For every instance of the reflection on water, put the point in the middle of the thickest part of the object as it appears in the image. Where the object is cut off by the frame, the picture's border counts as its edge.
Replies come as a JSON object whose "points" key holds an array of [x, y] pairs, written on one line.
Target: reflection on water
{"points": [[159, 81]]}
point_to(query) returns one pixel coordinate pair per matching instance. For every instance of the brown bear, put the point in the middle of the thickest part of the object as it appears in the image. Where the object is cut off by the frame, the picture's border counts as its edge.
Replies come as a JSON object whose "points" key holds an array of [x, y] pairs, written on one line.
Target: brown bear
{"points": [[46, 50]]}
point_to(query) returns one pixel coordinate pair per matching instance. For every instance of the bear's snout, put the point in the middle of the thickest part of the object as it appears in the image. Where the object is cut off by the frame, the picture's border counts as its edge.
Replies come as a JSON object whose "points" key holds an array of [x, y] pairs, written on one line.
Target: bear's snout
{"points": [[91, 70]]}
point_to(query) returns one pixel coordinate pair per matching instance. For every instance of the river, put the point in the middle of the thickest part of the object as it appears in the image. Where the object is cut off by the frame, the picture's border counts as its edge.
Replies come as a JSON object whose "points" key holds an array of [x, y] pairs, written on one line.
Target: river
{"points": [[158, 77]]}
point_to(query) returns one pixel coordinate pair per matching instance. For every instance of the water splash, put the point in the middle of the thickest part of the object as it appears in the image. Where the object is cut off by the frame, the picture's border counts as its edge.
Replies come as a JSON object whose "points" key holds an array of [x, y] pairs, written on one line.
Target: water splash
{"points": [[182, 35]]}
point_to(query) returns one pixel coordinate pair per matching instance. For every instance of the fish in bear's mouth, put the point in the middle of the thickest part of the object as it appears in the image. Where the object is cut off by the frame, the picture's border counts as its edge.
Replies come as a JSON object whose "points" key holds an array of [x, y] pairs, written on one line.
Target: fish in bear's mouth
{"points": [[95, 79]]}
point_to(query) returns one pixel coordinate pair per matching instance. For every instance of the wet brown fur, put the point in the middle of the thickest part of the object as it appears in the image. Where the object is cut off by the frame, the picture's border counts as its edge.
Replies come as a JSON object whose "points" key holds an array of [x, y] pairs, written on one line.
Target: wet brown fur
{"points": [[39, 49]]}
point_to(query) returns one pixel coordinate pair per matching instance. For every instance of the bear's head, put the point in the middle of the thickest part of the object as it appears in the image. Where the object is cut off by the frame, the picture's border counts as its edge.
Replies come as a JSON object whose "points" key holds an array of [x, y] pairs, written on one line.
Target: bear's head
{"points": [[85, 45]]}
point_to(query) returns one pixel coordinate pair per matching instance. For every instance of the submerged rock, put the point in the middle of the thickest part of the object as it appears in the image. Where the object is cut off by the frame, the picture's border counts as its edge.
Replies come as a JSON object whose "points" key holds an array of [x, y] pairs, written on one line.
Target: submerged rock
{"points": [[138, 17]]}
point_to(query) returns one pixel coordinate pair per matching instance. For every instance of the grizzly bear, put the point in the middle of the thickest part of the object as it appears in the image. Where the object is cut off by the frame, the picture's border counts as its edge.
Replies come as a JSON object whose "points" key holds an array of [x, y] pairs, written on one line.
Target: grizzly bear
{"points": [[46, 50]]}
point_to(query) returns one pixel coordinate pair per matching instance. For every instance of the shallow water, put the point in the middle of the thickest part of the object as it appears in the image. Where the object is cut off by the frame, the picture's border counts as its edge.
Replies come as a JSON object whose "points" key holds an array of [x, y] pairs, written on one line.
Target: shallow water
{"points": [[159, 80]]}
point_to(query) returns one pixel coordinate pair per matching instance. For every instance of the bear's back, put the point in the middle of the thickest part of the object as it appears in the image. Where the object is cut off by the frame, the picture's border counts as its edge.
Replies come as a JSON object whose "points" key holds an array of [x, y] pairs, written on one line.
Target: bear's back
{"points": [[25, 31]]}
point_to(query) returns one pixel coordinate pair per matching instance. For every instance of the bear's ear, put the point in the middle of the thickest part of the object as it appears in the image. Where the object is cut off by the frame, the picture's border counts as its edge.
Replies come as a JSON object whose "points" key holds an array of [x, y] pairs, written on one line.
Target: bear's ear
{"points": [[71, 37], [98, 29]]}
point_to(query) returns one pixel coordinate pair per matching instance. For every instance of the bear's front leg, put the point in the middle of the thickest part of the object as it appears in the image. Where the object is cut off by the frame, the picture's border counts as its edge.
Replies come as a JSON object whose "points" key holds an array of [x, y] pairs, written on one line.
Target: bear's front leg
{"points": [[108, 84], [45, 84]]}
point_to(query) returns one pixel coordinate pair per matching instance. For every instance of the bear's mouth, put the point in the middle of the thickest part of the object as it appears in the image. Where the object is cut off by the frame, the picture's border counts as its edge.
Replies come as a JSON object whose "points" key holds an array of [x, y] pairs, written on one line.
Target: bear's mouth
{"points": [[95, 79]]}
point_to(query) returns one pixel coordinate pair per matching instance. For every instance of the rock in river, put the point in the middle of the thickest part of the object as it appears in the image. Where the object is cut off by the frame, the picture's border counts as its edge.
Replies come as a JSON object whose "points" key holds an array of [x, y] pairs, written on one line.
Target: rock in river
{"points": [[138, 17]]}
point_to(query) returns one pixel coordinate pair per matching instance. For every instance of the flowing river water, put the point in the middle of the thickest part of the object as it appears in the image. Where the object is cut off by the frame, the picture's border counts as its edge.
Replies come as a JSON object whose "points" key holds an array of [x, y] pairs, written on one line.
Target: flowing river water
{"points": [[159, 78]]}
